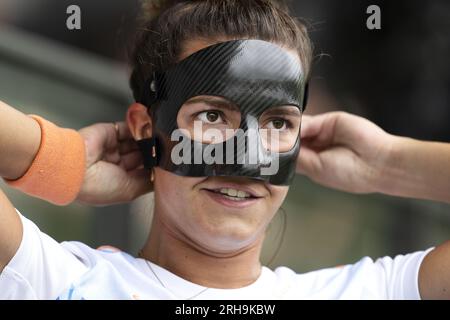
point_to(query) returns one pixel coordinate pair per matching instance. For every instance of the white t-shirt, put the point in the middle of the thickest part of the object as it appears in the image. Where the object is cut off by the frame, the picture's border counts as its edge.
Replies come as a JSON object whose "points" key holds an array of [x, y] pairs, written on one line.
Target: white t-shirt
{"points": [[45, 269]]}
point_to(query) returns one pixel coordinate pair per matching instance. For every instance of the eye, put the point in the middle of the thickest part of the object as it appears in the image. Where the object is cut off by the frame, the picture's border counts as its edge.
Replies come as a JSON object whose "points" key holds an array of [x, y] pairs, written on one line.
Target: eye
{"points": [[277, 124], [210, 117]]}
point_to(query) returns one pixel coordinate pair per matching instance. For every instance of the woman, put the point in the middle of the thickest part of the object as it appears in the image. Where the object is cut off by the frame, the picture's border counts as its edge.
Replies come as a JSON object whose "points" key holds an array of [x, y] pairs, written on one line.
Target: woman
{"points": [[225, 65]]}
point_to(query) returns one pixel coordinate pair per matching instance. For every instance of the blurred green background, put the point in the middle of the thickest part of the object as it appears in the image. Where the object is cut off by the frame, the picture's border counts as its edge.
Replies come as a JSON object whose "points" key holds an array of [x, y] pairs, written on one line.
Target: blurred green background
{"points": [[76, 78]]}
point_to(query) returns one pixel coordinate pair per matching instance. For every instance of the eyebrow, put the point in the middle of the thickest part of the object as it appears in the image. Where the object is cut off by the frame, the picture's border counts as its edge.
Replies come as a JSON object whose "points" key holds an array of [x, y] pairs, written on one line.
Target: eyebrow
{"points": [[223, 103], [285, 111], [216, 101]]}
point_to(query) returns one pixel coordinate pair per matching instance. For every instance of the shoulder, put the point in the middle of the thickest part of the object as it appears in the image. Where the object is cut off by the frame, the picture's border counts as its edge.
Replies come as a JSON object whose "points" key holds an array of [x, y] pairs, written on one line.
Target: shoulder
{"points": [[92, 256], [383, 278], [112, 273]]}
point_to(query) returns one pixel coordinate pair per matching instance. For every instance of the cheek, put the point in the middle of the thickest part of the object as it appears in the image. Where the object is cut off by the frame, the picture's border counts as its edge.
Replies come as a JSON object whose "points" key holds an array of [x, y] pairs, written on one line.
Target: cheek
{"points": [[173, 194], [278, 194]]}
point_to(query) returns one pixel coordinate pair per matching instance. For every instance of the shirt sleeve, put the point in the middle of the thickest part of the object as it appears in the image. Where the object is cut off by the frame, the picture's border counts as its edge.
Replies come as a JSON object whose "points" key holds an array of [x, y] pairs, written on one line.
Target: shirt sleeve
{"points": [[387, 278], [41, 267], [401, 275]]}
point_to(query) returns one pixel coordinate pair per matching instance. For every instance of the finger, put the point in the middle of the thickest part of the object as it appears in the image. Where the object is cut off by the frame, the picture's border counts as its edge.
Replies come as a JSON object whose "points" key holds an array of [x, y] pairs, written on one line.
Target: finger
{"points": [[306, 117], [320, 130], [112, 157], [308, 162], [123, 130], [109, 137], [312, 125], [94, 145], [128, 146], [131, 160]]}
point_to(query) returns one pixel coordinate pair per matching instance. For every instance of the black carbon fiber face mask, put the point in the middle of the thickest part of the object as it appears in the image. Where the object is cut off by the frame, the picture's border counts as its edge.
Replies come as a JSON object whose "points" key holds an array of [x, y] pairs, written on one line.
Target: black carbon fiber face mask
{"points": [[230, 109]]}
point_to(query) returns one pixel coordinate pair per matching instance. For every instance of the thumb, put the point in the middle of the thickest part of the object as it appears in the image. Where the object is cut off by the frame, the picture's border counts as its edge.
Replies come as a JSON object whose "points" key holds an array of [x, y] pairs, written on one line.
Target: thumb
{"points": [[308, 162], [313, 126], [306, 129]]}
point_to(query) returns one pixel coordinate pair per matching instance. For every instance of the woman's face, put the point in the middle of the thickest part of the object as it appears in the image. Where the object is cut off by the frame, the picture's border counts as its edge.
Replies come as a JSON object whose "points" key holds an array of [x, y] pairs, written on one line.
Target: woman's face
{"points": [[201, 210], [215, 214]]}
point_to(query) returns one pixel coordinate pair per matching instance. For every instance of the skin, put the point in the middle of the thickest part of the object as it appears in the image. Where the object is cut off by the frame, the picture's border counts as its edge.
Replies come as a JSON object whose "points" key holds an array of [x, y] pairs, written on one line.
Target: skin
{"points": [[221, 248], [215, 248]]}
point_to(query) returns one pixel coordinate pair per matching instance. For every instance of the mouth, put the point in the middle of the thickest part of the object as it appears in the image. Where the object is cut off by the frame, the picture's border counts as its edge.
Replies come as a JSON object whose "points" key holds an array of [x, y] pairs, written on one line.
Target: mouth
{"points": [[235, 196]]}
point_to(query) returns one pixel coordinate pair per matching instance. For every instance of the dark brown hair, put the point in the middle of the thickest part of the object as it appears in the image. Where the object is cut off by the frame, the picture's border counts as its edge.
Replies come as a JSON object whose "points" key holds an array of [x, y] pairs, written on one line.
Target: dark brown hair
{"points": [[167, 25]]}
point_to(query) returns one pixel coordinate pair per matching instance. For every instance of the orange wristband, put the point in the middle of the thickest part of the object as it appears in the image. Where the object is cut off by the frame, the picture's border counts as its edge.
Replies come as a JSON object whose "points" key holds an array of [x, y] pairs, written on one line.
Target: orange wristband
{"points": [[57, 172]]}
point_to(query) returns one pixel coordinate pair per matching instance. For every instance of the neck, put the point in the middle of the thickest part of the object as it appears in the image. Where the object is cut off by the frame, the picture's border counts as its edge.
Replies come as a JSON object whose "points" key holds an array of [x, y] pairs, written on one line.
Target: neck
{"points": [[175, 254]]}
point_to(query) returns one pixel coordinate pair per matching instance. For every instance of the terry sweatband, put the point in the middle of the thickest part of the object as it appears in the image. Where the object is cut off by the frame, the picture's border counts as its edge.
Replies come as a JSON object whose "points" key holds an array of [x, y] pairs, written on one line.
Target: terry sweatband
{"points": [[57, 172]]}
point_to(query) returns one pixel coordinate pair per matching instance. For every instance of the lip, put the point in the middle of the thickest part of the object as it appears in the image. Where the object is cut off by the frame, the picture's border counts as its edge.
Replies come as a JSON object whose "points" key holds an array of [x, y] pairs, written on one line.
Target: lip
{"points": [[222, 199], [253, 193], [211, 192]]}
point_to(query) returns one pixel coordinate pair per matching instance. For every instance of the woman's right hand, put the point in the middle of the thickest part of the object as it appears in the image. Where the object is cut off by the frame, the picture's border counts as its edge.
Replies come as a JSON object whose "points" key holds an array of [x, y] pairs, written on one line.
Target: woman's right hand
{"points": [[114, 166]]}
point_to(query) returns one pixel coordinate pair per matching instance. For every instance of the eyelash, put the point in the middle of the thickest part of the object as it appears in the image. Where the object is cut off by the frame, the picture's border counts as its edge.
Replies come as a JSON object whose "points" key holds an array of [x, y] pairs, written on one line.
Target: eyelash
{"points": [[220, 113], [289, 124]]}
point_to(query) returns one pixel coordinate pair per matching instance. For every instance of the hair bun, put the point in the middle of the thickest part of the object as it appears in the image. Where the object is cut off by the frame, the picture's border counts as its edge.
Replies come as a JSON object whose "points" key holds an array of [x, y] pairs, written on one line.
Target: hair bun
{"points": [[153, 8]]}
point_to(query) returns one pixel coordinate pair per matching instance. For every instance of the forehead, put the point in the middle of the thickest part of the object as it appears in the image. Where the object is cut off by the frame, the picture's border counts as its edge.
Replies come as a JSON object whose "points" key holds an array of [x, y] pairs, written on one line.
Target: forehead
{"points": [[241, 62], [253, 74], [191, 46]]}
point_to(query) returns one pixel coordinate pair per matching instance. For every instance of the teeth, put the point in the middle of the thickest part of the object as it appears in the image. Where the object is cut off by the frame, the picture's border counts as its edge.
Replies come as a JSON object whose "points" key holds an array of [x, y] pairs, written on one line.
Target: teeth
{"points": [[241, 194], [235, 193]]}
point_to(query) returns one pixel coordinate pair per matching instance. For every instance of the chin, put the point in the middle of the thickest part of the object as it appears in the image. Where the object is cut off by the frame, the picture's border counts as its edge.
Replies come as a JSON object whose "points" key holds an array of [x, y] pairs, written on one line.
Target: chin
{"points": [[228, 236]]}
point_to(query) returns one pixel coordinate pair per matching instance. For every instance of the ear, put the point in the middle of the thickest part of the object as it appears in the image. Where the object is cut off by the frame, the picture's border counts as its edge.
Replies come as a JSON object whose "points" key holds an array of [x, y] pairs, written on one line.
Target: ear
{"points": [[139, 121]]}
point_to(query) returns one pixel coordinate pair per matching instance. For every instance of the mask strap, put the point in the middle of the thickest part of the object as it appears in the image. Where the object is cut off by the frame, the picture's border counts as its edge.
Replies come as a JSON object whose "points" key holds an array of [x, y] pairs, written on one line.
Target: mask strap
{"points": [[148, 150], [150, 91], [305, 96]]}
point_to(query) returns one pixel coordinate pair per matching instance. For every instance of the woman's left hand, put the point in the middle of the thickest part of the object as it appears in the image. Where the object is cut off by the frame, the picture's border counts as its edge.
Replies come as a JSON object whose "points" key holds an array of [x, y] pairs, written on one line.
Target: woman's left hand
{"points": [[344, 151], [114, 166]]}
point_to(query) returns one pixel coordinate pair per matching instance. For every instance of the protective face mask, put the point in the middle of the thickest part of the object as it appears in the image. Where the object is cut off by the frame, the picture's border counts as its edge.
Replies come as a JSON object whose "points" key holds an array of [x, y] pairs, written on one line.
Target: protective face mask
{"points": [[230, 109]]}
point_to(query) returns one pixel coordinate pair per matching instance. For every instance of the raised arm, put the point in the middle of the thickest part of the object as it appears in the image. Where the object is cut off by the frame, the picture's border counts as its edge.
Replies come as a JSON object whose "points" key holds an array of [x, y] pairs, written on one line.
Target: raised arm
{"points": [[417, 169], [99, 165], [20, 138], [350, 153]]}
